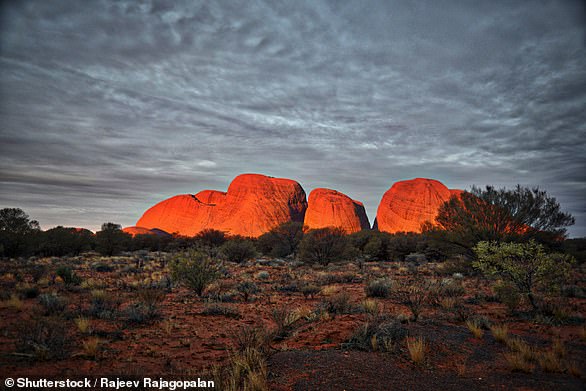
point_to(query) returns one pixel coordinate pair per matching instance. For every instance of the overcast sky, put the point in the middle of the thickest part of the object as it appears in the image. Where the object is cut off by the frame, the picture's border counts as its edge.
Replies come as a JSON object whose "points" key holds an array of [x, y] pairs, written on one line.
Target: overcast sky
{"points": [[107, 108]]}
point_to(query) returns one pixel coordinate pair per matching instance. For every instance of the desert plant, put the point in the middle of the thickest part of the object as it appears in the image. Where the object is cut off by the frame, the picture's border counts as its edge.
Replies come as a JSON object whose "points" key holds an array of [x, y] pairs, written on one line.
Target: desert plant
{"points": [[309, 290], [525, 265], [15, 303], [238, 250], [247, 289], [252, 338], [194, 269], [52, 303], [507, 294], [43, 339], [417, 347], [323, 246], [475, 328], [518, 363], [338, 303], [102, 304], [414, 296], [263, 275], [83, 324], [500, 332], [91, 347], [378, 288], [284, 320], [221, 310], [549, 361], [378, 334], [69, 277], [246, 370]]}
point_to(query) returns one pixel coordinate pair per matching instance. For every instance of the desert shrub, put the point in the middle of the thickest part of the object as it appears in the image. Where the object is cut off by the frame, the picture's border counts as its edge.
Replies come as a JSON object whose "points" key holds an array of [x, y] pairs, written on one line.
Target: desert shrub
{"points": [[103, 305], [138, 313], [29, 292], [507, 294], [337, 304], [370, 245], [69, 277], [238, 250], [281, 241], [413, 295], [194, 269], [263, 275], [102, 267], [335, 278], [221, 310], [525, 265], [379, 334], [246, 370], [284, 320], [309, 290], [52, 303], [252, 338], [378, 288], [111, 240], [209, 241], [323, 246], [446, 288], [43, 339], [247, 289]]}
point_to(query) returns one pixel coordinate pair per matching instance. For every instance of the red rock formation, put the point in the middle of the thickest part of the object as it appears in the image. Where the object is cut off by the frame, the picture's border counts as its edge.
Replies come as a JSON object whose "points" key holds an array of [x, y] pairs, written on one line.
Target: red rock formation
{"points": [[213, 197], [143, 231], [408, 204], [330, 208], [183, 214], [253, 205]]}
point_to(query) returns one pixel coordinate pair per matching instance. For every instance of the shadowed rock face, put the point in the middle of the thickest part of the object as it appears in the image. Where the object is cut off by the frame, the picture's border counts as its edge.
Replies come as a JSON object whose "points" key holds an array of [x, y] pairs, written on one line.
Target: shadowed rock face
{"points": [[144, 231], [330, 208], [253, 205], [408, 204]]}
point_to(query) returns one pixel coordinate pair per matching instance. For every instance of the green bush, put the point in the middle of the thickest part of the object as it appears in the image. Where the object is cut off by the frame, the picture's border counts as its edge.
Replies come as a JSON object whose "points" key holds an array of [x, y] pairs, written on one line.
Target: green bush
{"points": [[68, 276], [194, 269], [323, 246], [238, 250], [378, 288], [525, 265], [247, 289]]}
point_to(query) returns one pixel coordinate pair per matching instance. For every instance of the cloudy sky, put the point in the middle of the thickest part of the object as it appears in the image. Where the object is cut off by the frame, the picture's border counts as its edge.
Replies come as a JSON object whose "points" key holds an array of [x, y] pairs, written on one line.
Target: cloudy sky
{"points": [[107, 107]]}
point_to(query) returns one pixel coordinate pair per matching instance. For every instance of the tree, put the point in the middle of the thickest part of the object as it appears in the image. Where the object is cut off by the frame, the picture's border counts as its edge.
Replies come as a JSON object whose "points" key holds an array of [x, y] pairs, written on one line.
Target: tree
{"points": [[16, 232], [324, 245], [491, 214], [209, 241], [61, 241], [282, 240], [111, 239], [525, 265]]}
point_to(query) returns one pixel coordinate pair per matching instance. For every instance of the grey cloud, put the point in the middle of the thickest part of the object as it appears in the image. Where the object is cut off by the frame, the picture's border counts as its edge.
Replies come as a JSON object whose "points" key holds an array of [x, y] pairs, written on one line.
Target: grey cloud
{"points": [[116, 105]]}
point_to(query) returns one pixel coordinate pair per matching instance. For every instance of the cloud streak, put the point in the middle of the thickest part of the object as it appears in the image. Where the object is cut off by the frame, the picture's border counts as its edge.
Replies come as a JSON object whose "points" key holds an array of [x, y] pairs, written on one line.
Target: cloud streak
{"points": [[109, 107]]}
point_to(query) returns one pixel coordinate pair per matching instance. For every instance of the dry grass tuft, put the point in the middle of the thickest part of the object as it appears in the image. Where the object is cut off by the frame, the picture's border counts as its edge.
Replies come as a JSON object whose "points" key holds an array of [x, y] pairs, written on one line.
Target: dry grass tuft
{"points": [[549, 361], [417, 347], [91, 347], [500, 332], [83, 325], [475, 328], [518, 363]]}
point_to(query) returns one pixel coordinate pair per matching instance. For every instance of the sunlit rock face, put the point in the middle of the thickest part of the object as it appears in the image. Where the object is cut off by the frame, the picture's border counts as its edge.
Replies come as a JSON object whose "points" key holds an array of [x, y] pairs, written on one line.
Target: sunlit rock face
{"points": [[182, 214], [143, 231], [253, 205], [408, 204], [330, 208]]}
